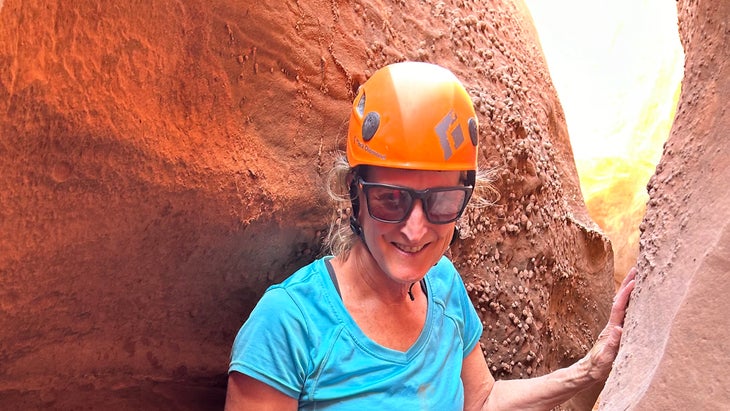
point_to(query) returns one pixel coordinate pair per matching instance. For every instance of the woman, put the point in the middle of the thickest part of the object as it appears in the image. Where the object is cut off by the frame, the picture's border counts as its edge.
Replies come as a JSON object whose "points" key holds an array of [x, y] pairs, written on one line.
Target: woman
{"points": [[386, 322]]}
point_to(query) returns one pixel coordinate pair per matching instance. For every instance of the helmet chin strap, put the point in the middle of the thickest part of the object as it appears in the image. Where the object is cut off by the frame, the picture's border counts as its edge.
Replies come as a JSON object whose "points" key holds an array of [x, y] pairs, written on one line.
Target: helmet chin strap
{"points": [[357, 229], [410, 292], [454, 236]]}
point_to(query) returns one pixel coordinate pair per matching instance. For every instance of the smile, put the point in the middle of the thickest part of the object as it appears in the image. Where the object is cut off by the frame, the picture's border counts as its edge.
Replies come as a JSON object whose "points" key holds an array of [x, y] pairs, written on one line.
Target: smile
{"points": [[408, 249]]}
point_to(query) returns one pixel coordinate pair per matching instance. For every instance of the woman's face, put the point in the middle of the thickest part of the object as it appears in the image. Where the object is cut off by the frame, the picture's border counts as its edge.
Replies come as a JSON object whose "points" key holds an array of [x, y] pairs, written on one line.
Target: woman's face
{"points": [[405, 251]]}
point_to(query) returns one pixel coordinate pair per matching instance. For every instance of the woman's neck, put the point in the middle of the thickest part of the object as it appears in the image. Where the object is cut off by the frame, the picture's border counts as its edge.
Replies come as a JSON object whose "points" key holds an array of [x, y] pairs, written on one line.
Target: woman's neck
{"points": [[363, 279]]}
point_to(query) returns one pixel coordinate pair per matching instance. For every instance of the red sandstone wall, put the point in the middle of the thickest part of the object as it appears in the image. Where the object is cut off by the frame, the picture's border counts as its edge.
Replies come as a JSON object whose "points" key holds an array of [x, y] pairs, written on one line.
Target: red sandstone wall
{"points": [[162, 161]]}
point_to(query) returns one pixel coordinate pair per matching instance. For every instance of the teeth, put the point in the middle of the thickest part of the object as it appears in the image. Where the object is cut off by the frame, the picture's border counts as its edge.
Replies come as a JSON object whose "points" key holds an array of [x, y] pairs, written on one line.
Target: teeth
{"points": [[409, 249]]}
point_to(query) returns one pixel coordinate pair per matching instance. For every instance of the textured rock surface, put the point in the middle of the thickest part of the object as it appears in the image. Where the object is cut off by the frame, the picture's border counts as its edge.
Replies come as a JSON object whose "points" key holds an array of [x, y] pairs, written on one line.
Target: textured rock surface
{"points": [[162, 163], [674, 354]]}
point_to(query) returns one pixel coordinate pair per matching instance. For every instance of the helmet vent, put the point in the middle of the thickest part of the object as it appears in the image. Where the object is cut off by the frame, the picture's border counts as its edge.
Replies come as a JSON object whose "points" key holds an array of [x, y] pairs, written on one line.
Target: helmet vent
{"points": [[473, 131], [370, 125], [361, 105]]}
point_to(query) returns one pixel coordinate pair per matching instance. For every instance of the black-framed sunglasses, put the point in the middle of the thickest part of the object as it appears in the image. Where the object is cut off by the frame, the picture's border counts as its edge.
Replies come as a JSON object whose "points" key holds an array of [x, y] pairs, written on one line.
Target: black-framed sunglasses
{"points": [[393, 204]]}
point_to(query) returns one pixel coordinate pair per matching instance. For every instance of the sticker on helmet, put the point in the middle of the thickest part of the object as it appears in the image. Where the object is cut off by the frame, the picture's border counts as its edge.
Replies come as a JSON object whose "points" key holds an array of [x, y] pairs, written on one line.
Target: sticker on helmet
{"points": [[457, 136]]}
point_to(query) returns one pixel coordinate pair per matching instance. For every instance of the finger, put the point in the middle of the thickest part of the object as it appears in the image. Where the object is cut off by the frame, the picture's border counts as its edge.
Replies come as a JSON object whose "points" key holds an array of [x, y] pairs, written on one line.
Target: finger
{"points": [[618, 310], [622, 296], [621, 300], [627, 286], [616, 334], [631, 275]]}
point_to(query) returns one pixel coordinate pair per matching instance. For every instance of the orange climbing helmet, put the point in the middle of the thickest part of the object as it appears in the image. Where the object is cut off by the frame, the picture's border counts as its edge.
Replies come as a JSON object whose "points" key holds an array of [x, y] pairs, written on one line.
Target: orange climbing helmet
{"points": [[413, 115]]}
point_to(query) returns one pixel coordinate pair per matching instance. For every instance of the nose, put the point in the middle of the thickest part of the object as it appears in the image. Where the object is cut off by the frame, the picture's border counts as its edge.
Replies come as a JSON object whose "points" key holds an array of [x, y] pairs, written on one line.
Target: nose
{"points": [[415, 225]]}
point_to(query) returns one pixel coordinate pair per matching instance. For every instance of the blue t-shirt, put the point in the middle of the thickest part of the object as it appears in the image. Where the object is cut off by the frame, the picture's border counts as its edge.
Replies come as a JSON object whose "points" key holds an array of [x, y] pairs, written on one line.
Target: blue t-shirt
{"points": [[301, 340]]}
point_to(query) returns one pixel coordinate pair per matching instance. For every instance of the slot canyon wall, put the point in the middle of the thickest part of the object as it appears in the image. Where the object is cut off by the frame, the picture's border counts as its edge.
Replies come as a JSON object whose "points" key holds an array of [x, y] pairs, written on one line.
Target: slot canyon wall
{"points": [[163, 163], [674, 351]]}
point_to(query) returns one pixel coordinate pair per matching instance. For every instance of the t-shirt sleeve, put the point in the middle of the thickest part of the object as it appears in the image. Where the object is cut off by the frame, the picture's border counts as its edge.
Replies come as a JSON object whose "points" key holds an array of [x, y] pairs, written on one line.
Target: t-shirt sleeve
{"points": [[271, 344], [458, 305], [463, 309], [473, 328]]}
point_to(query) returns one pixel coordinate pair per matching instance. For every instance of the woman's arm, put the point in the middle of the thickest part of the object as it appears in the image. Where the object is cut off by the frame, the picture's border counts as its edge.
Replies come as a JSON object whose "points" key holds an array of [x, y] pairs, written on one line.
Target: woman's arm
{"points": [[550, 390], [246, 393]]}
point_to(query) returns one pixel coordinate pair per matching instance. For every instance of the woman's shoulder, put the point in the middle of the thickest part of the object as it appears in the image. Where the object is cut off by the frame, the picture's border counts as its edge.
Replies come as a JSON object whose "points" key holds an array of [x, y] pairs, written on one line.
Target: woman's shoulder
{"points": [[307, 291], [304, 276], [445, 282], [309, 279], [444, 274]]}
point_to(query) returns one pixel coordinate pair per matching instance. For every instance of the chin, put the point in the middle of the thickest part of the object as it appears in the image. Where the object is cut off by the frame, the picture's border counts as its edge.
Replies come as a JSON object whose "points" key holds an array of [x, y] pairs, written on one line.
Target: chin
{"points": [[410, 270]]}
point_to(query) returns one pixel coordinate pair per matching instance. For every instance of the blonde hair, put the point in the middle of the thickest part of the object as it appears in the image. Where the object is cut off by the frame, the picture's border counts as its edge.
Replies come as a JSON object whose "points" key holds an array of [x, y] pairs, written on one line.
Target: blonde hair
{"points": [[340, 237]]}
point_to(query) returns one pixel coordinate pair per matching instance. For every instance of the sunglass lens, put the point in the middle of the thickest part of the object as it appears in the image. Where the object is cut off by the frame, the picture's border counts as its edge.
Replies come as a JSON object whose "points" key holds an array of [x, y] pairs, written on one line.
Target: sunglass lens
{"points": [[388, 204], [445, 206]]}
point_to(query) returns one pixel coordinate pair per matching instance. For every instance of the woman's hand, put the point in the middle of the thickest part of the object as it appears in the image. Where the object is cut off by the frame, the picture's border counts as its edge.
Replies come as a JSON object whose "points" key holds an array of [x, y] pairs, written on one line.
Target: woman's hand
{"points": [[548, 391], [599, 360]]}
